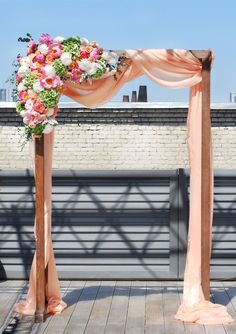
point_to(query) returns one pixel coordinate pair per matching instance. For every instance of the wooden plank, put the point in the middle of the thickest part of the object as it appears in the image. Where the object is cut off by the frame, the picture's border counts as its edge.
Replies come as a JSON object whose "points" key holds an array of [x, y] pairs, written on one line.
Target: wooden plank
{"points": [[154, 309], [171, 304], [39, 213], [119, 306], [206, 177], [81, 313], [101, 308], [135, 323]]}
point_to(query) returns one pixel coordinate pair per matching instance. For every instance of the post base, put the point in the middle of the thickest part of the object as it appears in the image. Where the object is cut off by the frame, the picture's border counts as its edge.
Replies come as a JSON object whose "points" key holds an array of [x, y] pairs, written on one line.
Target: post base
{"points": [[39, 317]]}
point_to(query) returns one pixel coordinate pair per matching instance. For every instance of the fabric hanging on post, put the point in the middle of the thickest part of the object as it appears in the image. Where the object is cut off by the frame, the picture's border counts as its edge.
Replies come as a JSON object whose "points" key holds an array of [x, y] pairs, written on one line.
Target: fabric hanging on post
{"points": [[172, 69]]}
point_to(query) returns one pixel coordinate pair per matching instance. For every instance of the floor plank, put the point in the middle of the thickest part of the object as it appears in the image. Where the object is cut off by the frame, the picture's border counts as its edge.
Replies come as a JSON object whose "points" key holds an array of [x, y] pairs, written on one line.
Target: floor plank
{"points": [[83, 308], [119, 306], [171, 303], [136, 309], [154, 309], [101, 308]]}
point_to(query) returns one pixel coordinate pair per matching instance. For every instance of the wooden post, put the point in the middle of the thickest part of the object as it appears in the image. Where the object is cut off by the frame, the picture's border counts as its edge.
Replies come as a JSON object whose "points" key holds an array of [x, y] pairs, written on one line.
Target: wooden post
{"points": [[205, 57], [40, 256]]}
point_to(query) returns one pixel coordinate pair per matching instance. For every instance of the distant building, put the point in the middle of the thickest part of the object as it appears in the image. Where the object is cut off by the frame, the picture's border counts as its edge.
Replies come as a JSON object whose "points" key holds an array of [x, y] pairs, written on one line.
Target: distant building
{"points": [[233, 97], [3, 94]]}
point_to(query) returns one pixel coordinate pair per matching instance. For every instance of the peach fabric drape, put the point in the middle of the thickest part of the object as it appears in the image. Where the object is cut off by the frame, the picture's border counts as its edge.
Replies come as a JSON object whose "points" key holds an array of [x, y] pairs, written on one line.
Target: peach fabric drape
{"points": [[172, 69]]}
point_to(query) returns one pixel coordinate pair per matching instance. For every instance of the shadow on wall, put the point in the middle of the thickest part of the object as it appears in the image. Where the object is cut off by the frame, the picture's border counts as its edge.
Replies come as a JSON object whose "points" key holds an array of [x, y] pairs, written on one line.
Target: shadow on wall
{"points": [[129, 224]]}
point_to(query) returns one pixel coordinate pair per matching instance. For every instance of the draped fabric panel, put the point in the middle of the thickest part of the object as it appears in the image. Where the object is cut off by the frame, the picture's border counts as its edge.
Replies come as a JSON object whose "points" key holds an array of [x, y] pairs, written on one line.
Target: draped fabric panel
{"points": [[172, 69]]}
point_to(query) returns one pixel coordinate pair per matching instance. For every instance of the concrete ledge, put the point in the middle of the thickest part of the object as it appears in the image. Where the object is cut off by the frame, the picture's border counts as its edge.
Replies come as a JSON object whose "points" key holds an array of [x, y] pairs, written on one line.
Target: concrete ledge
{"points": [[131, 105]]}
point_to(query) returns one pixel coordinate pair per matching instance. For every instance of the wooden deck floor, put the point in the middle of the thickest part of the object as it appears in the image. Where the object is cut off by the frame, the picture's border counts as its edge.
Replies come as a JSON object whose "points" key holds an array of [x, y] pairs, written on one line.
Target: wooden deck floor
{"points": [[130, 307]]}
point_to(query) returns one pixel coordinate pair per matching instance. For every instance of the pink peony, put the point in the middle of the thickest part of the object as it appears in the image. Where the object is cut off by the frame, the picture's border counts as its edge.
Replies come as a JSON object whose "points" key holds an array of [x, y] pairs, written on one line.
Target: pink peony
{"points": [[50, 82], [55, 50], [39, 107], [75, 74], [18, 78], [45, 39], [31, 47], [32, 118], [23, 96], [40, 58]]}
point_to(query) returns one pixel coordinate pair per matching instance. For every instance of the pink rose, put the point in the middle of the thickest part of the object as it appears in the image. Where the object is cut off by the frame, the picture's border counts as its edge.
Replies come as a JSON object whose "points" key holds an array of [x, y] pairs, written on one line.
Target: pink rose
{"points": [[32, 118], [50, 82], [75, 74], [45, 39], [94, 54]]}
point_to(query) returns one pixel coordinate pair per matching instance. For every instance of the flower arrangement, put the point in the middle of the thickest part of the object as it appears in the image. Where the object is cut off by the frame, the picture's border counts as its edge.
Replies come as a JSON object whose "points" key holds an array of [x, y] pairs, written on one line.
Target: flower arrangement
{"points": [[40, 76]]}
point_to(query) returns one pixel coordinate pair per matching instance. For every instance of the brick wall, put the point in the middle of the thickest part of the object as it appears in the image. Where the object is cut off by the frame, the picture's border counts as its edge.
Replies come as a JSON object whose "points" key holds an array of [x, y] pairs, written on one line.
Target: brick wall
{"points": [[120, 136]]}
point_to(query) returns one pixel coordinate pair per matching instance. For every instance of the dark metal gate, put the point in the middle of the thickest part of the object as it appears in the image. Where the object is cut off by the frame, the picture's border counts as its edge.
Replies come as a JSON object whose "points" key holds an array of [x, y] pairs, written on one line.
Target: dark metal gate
{"points": [[114, 224]]}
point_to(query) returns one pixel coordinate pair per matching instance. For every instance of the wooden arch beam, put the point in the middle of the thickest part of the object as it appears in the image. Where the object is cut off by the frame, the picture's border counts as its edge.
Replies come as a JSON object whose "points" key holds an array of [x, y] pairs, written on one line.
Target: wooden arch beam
{"points": [[205, 56]]}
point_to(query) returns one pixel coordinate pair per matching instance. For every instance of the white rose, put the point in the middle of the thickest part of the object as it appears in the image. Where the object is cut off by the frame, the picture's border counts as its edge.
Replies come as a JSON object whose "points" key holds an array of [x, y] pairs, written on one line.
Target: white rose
{"points": [[50, 70], [21, 87], [88, 67], [43, 48], [23, 70], [50, 112], [29, 104], [66, 58], [48, 128], [84, 41], [37, 87], [26, 61], [22, 113], [58, 39]]}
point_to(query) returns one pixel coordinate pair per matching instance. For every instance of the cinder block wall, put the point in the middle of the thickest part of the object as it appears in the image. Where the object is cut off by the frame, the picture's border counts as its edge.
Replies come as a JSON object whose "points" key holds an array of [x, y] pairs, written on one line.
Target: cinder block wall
{"points": [[120, 136]]}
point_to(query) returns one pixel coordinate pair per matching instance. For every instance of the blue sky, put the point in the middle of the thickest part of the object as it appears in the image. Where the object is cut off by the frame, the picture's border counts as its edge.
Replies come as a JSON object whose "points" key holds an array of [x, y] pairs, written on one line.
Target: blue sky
{"points": [[130, 24]]}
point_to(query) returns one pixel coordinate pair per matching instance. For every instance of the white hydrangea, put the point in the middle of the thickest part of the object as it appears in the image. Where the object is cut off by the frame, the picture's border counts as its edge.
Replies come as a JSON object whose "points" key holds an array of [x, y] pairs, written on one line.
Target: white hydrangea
{"points": [[84, 41], [26, 61], [48, 128], [50, 70], [88, 67], [66, 58], [21, 87], [23, 71], [37, 87], [43, 48], [58, 39]]}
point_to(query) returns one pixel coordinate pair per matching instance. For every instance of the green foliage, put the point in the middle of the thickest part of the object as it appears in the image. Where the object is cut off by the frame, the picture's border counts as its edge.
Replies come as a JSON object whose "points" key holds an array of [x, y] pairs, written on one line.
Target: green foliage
{"points": [[26, 39], [61, 70], [29, 80], [19, 107], [72, 45], [50, 97]]}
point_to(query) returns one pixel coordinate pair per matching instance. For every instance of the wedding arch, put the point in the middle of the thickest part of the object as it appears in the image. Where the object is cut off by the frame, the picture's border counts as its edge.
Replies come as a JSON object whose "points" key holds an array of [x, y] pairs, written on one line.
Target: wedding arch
{"points": [[90, 75]]}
